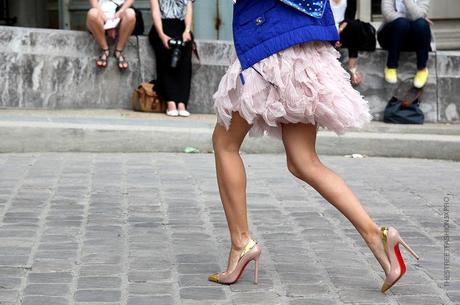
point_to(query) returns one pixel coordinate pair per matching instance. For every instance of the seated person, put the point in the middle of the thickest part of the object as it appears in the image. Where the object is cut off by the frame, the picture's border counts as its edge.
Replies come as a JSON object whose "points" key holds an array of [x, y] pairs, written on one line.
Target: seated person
{"points": [[354, 35], [406, 28], [173, 19], [115, 19]]}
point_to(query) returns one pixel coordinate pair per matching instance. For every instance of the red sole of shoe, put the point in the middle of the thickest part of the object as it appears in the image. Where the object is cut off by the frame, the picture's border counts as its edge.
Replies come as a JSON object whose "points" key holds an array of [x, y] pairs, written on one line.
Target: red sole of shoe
{"points": [[402, 265], [239, 275]]}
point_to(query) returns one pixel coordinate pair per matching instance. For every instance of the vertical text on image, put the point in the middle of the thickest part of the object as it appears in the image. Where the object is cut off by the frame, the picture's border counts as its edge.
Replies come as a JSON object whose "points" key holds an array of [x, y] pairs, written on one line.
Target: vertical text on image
{"points": [[446, 203]]}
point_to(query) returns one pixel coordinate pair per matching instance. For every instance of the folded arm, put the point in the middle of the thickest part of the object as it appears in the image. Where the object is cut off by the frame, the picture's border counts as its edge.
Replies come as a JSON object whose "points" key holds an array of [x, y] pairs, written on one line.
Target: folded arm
{"points": [[389, 11], [417, 10]]}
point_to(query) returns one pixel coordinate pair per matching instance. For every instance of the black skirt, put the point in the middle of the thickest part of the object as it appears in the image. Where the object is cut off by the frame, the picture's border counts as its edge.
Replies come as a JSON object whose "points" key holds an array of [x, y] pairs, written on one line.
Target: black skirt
{"points": [[173, 84]]}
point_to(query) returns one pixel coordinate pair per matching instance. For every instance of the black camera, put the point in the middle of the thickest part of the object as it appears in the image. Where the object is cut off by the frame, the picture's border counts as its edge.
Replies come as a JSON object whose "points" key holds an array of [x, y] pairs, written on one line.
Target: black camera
{"points": [[176, 45]]}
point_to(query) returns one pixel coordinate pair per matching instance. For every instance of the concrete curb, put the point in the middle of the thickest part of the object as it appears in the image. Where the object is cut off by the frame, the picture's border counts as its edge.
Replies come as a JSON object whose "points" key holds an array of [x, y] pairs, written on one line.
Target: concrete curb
{"points": [[42, 132]]}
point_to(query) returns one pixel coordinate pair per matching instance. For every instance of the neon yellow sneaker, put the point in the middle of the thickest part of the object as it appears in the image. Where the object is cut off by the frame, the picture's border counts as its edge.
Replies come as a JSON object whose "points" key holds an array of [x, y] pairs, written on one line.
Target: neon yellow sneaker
{"points": [[421, 78], [391, 75]]}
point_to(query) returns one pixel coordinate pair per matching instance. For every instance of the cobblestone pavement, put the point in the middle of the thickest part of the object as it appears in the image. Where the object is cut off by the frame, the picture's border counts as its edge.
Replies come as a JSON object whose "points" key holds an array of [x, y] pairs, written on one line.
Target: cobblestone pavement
{"points": [[146, 229]]}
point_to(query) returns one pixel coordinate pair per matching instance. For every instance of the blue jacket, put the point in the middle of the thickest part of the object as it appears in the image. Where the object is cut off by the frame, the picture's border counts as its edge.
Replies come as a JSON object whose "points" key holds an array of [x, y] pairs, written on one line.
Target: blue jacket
{"points": [[265, 27]]}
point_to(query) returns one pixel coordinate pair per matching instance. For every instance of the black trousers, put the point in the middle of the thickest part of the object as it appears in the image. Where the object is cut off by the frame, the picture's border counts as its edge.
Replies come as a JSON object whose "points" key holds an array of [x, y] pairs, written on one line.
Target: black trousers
{"points": [[173, 84], [404, 34]]}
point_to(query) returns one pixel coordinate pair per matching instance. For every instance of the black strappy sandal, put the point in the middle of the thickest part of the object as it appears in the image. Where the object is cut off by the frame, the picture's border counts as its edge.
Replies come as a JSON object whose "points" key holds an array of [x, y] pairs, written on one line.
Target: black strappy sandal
{"points": [[122, 63], [101, 62]]}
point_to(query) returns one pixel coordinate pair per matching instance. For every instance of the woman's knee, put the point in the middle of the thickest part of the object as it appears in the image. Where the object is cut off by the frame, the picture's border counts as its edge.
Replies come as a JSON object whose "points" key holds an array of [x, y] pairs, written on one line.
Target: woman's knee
{"points": [[93, 14], [421, 26], [130, 14], [221, 141], [293, 168], [353, 26], [306, 169], [421, 23], [401, 25]]}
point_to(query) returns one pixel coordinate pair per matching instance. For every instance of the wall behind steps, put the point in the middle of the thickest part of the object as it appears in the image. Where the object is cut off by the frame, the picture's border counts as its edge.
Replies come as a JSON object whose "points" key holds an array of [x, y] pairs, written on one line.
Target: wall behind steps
{"points": [[56, 70]]}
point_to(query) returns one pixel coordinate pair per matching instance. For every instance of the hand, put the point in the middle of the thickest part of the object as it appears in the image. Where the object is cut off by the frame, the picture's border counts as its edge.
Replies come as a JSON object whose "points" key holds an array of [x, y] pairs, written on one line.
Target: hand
{"points": [[186, 36], [338, 44], [119, 14], [429, 21], [112, 33], [342, 27], [165, 39]]}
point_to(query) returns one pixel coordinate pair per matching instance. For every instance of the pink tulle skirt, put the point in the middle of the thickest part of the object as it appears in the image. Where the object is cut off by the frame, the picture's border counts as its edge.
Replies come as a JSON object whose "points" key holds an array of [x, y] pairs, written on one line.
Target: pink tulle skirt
{"points": [[303, 84]]}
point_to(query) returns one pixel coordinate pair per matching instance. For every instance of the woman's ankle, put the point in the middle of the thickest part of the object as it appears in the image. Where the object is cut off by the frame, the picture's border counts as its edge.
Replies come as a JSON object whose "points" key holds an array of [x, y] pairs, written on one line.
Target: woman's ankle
{"points": [[372, 234], [181, 106], [172, 106], [239, 242], [353, 63]]}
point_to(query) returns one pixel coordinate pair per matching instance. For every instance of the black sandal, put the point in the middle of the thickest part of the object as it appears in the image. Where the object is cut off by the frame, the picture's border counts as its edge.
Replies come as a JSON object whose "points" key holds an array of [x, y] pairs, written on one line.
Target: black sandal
{"points": [[122, 63], [101, 62]]}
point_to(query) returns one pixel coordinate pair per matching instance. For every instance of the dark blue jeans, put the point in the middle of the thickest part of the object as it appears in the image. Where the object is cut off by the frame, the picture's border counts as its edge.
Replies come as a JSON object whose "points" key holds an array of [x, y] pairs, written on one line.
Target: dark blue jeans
{"points": [[404, 34]]}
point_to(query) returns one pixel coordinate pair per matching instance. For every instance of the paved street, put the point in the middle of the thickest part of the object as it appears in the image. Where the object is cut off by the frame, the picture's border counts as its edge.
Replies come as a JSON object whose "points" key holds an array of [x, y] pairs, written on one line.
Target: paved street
{"points": [[146, 229]]}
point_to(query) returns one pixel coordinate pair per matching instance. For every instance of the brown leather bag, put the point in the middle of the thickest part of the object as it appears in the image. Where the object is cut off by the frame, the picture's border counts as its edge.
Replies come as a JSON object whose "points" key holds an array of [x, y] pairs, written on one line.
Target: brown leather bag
{"points": [[145, 99]]}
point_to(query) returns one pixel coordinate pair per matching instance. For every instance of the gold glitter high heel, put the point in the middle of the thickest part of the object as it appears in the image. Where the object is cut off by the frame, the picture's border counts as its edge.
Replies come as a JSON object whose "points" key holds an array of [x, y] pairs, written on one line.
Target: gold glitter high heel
{"points": [[251, 252]]}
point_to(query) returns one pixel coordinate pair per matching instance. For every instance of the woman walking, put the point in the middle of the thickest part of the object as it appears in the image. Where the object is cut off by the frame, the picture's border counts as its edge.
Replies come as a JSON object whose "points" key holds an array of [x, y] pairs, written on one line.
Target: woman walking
{"points": [[172, 22], [287, 82], [406, 28]]}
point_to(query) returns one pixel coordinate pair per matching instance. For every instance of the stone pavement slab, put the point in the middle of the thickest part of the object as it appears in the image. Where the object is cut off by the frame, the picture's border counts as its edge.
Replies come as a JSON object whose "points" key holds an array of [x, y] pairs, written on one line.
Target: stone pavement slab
{"points": [[135, 229]]}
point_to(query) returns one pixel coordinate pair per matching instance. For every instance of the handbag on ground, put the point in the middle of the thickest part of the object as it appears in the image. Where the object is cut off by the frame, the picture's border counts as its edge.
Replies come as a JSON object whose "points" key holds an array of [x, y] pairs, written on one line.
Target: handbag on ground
{"points": [[145, 99], [405, 111]]}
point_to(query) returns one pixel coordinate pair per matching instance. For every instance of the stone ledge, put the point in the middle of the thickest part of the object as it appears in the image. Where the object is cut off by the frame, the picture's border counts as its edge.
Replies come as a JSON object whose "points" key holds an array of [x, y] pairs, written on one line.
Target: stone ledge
{"points": [[55, 70]]}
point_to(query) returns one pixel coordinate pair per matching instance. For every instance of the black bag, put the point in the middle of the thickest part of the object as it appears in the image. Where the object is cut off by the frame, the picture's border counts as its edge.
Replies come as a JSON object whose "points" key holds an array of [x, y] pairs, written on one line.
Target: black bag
{"points": [[405, 111], [364, 34], [368, 34], [139, 28]]}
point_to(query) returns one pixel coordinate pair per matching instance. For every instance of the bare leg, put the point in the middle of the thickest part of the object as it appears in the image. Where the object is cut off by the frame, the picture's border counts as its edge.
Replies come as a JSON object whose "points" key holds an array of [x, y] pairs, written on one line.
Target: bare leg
{"points": [[181, 106], [231, 178], [127, 24], [303, 162], [172, 106], [356, 76], [95, 24], [352, 62]]}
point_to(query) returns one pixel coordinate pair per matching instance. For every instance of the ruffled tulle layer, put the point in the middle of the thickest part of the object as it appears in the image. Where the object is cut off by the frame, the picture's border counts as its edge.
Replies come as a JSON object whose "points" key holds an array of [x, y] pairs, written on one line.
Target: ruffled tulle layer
{"points": [[303, 84]]}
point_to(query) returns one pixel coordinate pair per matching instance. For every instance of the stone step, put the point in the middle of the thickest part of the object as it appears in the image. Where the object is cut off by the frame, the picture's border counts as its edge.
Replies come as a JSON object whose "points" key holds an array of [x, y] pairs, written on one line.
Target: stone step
{"points": [[447, 34], [126, 131]]}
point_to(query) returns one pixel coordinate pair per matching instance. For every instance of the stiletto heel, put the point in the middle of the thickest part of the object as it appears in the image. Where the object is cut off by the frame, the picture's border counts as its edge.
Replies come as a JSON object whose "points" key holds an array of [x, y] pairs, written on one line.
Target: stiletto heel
{"points": [[409, 248], [391, 240], [256, 271], [251, 252]]}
